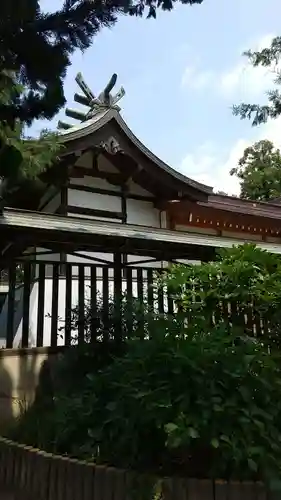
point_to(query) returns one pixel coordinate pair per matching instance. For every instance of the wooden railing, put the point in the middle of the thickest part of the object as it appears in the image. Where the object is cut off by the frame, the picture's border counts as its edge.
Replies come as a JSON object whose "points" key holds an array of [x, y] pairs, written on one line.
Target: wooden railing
{"points": [[50, 303], [28, 474]]}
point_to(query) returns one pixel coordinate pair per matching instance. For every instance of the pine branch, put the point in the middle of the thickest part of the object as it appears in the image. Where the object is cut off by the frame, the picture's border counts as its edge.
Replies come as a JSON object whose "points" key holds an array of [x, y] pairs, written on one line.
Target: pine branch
{"points": [[260, 114], [267, 56], [39, 154], [34, 105]]}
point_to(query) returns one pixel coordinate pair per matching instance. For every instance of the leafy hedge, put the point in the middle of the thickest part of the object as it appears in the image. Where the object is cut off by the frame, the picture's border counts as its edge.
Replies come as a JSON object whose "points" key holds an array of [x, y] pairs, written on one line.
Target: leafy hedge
{"points": [[206, 406]]}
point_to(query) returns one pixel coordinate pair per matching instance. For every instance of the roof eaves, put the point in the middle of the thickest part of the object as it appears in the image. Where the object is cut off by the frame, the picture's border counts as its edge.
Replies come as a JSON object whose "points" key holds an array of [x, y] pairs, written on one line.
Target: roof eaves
{"points": [[177, 175], [101, 119]]}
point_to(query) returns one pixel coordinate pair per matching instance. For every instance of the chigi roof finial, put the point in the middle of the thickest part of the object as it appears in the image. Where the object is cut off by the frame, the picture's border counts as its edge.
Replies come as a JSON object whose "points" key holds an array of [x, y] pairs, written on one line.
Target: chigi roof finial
{"points": [[95, 104]]}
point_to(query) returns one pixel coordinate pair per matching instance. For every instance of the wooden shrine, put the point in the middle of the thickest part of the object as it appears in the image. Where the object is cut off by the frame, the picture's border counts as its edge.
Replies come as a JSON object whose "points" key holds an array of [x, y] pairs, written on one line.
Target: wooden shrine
{"points": [[109, 204]]}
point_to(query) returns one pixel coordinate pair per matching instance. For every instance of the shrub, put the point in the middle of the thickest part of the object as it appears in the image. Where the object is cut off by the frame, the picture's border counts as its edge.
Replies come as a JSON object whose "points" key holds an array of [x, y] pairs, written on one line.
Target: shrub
{"points": [[207, 406], [241, 289]]}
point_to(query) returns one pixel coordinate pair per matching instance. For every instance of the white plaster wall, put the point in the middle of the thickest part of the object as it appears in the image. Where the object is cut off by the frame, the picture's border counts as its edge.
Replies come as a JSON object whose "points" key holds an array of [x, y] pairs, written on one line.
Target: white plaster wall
{"points": [[139, 212], [84, 199], [51, 257], [84, 260], [17, 317], [142, 213], [136, 258]]}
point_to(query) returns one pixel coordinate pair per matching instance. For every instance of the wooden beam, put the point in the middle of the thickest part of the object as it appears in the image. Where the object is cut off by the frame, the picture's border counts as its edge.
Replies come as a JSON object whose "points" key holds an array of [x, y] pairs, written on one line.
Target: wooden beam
{"points": [[109, 192], [117, 179], [124, 204], [96, 260], [48, 197], [64, 193], [92, 212]]}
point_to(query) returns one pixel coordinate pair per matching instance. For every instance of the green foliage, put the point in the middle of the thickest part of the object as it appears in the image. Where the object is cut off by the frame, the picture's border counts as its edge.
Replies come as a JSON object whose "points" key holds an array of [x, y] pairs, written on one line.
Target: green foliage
{"points": [[207, 406], [242, 281], [260, 172], [104, 340], [238, 274], [21, 155], [22, 159], [267, 57], [26, 157]]}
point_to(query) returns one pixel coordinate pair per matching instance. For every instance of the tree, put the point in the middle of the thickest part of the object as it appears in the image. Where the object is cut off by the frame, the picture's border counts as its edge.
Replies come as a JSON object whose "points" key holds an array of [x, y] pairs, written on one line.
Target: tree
{"points": [[267, 57], [260, 172], [22, 158], [37, 46]]}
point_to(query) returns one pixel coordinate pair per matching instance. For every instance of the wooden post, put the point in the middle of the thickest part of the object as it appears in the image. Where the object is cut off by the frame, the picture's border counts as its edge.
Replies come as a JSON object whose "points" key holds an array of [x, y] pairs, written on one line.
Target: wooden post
{"points": [[118, 295]]}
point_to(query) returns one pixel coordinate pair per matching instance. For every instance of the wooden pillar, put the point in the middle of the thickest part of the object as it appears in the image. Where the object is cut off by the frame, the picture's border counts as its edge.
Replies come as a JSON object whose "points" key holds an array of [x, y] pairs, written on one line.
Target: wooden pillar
{"points": [[124, 192], [118, 296], [63, 208]]}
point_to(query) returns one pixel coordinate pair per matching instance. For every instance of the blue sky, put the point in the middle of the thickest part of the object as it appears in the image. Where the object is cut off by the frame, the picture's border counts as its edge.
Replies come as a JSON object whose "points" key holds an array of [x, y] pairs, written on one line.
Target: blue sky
{"points": [[182, 72]]}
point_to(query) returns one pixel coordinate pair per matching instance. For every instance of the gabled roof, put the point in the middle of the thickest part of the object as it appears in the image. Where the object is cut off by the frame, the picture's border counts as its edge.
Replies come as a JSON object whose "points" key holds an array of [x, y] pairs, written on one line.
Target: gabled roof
{"points": [[101, 119]]}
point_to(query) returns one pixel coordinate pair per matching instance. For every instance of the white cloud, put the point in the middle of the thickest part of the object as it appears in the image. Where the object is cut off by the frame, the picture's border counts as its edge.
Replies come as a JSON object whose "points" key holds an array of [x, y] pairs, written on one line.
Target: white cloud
{"points": [[195, 79], [206, 165], [245, 81], [241, 80], [211, 166]]}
